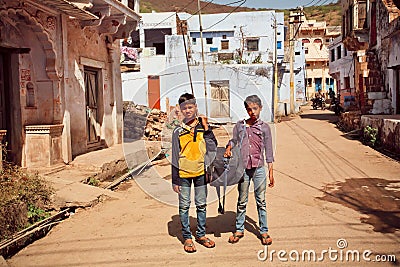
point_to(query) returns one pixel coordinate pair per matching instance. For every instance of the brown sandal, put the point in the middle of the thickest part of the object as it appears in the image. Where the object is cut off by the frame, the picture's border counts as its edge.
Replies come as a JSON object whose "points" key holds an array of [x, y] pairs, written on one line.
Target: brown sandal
{"points": [[235, 237], [266, 239], [205, 241], [188, 246]]}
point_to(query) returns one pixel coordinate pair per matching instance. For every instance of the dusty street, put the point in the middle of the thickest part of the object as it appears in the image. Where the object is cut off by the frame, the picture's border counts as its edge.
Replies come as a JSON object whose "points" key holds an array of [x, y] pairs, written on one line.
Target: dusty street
{"points": [[327, 188]]}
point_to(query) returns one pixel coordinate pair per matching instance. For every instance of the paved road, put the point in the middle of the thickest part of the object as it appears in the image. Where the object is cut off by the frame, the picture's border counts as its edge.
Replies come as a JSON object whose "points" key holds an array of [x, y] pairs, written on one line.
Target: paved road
{"points": [[327, 188]]}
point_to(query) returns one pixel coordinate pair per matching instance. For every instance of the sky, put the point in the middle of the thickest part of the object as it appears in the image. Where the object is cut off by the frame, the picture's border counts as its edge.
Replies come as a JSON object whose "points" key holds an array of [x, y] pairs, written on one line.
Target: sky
{"points": [[275, 4]]}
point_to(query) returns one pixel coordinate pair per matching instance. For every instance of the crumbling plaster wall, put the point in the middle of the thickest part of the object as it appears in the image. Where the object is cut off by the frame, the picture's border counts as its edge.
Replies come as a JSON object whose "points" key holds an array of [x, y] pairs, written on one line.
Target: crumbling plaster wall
{"points": [[84, 46]]}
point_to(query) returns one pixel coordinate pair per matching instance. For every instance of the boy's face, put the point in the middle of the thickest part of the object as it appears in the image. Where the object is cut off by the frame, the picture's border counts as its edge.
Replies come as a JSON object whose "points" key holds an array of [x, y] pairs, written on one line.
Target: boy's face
{"points": [[189, 110], [253, 109]]}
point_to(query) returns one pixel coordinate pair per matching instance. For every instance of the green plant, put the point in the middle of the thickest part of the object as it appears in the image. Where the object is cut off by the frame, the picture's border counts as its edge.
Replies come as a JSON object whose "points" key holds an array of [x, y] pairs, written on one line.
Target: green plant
{"points": [[24, 199], [93, 181], [257, 60], [370, 135], [36, 214]]}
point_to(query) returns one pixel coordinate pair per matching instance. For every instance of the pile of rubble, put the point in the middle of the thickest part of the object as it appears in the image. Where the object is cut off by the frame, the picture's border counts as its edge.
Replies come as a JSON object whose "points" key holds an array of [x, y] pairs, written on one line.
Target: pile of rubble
{"points": [[141, 122]]}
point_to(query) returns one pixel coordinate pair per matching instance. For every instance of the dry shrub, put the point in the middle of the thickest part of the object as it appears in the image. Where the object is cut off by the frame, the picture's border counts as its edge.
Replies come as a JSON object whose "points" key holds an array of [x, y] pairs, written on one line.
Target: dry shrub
{"points": [[23, 199]]}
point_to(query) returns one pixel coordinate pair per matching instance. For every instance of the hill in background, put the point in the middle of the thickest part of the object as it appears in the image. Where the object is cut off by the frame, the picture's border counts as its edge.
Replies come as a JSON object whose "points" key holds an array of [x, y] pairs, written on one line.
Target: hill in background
{"points": [[330, 13]]}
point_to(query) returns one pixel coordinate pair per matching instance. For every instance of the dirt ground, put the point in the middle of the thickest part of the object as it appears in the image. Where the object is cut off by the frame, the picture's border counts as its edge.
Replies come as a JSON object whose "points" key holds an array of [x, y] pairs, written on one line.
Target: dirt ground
{"points": [[331, 193]]}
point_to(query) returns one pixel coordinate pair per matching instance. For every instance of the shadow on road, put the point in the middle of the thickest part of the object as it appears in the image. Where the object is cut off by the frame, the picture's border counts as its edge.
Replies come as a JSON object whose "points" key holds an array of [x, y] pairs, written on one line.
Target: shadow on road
{"points": [[330, 117], [377, 198], [223, 223]]}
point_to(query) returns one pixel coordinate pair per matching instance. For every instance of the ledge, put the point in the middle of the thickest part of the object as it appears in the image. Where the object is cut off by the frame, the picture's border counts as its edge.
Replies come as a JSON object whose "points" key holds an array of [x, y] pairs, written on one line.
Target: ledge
{"points": [[55, 129]]}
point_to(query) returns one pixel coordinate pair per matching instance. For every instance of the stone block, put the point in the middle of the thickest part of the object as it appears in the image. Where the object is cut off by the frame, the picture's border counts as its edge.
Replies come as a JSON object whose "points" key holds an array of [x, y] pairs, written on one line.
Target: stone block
{"points": [[376, 95], [43, 145]]}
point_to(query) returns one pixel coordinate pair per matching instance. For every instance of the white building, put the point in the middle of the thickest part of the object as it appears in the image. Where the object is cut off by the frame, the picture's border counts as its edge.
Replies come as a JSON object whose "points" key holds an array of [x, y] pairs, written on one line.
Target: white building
{"points": [[239, 54], [342, 70]]}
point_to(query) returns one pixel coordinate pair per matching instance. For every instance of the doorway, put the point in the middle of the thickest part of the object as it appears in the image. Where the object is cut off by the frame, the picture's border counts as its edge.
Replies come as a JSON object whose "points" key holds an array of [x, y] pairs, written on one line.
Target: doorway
{"points": [[220, 99], [92, 107], [397, 89], [5, 119]]}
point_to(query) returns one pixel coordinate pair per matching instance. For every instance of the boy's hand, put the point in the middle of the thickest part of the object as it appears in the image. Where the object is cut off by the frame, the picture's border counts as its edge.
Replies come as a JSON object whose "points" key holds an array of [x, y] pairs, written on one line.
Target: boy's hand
{"points": [[228, 152], [176, 188], [204, 122], [271, 181]]}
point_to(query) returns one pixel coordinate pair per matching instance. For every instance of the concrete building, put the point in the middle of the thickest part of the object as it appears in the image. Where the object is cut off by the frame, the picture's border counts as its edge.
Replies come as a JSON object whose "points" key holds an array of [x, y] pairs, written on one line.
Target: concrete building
{"points": [[315, 37], [371, 30], [342, 70], [238, 48], [60, 83]]}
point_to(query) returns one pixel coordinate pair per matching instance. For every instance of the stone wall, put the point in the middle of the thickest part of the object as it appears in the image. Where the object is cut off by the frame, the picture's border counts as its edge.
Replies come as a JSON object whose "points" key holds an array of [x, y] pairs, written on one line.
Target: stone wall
{"points": [[388, 130], [350, 121]]}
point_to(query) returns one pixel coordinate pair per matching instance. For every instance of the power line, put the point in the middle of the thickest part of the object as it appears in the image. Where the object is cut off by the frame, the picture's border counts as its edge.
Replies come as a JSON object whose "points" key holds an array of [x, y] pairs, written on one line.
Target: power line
{"points": [[244, 1]]}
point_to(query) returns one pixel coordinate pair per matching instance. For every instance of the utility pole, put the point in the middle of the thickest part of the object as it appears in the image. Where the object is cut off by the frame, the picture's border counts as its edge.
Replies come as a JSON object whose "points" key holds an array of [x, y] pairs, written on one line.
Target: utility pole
{"points": [[183, 32], [275, 94], [291, 59], [202, 57]]}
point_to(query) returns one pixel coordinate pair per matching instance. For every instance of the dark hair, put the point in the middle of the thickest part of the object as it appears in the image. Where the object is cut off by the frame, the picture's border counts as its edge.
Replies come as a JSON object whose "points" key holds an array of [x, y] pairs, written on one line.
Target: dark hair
{"points": [[252, 99], [187, 98]]}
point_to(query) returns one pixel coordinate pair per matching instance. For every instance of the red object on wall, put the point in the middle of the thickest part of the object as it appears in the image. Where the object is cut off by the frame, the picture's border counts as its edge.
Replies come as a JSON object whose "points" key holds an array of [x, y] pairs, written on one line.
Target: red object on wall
{"points": [[153, 92]]}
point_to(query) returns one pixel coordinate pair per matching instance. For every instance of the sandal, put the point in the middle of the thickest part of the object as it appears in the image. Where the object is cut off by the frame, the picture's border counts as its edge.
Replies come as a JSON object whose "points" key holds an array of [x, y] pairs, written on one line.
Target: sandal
{"points": [[266, 239], [188, 246], [235, 237], [205, 241]]}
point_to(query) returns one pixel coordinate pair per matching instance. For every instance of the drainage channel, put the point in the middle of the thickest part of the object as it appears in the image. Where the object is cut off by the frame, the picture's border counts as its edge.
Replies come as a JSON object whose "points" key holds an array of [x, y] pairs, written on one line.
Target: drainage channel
{"points": [[12, 245], [135, 171]]}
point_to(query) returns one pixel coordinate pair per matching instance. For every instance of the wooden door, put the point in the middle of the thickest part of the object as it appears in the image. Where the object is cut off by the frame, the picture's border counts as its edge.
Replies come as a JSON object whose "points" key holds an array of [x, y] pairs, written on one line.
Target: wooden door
{"points": [[153, 91], [220, 100], [3, 115], [397, 89], [92, 109]]}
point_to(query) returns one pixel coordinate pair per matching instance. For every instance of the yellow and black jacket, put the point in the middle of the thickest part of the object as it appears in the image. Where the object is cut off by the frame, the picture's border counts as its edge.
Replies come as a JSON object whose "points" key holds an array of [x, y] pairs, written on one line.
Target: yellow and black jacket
{"points": [[192, 151]]}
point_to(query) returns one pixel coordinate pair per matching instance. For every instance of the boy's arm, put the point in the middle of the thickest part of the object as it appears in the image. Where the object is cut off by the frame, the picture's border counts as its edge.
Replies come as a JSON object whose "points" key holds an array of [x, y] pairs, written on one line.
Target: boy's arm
{"points": [[269, 154], [268, 148], [175, 157], [232, 142]]}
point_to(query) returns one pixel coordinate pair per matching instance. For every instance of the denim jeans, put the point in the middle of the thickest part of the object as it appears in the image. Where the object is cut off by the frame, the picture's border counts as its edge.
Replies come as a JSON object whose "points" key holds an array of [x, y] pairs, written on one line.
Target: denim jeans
{"points": [[260, 182], [200, 200]]}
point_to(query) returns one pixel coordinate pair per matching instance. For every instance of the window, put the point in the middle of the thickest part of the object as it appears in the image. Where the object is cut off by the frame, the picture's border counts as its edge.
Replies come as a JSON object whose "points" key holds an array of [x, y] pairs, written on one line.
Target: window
{"points": [[224, 44], [318, 41], [279, 45], [194, 40], [224, 36], [339, 52], [297, 53], [305, 41], [209, 40], [309, 82], [308, 65], [306, 50], [30, 95], [252, 44], [332, 55], [362, 14], [346, 82], [327, 40]]}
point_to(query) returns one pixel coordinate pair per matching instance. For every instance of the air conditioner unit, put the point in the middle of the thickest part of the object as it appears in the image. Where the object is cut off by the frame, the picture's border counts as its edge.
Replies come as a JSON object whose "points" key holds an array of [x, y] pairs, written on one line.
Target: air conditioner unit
{"points": [[149, 51]]}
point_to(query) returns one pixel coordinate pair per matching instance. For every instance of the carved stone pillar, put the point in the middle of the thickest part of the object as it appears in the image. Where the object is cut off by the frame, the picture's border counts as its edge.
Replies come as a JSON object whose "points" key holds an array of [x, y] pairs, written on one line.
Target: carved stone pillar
{"points": [[2, 134], [43, 147]]}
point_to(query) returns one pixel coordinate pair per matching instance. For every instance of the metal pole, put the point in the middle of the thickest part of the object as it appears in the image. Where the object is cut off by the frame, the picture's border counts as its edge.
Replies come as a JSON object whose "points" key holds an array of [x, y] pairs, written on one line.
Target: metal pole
{"points": [[202, 58], [291, 50], [187, 58], [275, 106]]}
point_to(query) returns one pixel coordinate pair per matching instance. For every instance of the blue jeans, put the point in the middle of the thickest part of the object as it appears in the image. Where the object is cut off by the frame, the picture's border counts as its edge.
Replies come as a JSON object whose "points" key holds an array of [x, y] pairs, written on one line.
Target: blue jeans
{"points": [[260, 182], [200, 200]]}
